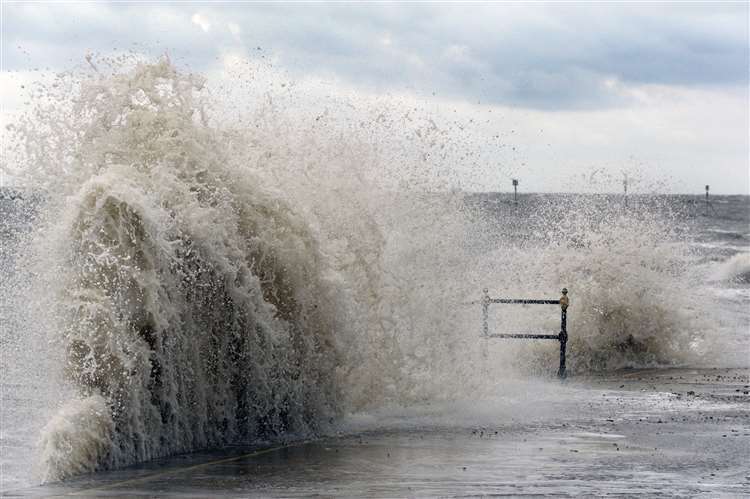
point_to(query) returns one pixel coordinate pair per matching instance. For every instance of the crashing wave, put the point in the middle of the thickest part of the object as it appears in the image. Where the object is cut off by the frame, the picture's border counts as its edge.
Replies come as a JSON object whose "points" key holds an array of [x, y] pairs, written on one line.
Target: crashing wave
{"points": [[735, 269], [192, 306], [215, 285]]}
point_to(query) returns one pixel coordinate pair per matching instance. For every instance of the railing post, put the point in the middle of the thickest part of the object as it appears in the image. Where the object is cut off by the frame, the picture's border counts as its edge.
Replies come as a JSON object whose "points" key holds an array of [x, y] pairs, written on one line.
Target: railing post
{"points": [[563, 332], [485, 313], [563, 341], [485, 333]]}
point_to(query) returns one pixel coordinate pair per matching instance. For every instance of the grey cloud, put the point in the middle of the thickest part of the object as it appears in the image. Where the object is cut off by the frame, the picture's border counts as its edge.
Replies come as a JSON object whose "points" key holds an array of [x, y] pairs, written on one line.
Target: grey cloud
{"points": [[537, 56], [546, 57]]}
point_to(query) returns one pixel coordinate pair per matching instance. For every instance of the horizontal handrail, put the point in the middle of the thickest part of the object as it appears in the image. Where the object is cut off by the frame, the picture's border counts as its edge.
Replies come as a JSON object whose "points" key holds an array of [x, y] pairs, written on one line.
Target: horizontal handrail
{"points": [[523, 301], [530, 336], [516, 301]]}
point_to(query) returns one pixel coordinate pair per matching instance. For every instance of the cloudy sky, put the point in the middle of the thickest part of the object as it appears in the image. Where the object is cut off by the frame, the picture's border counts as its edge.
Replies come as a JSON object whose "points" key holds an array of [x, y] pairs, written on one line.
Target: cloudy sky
{"points": [[658, 90]]}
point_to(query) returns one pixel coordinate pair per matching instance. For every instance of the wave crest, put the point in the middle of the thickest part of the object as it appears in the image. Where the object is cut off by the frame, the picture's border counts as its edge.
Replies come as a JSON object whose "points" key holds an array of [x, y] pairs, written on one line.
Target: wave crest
{"points": [[193, 310], [735, 269]]}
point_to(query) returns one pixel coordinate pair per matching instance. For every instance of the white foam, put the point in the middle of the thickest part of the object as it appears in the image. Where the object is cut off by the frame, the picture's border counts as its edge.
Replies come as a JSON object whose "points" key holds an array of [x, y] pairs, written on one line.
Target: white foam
{"points": [[209, 284], [735, 269], [77, 439]]}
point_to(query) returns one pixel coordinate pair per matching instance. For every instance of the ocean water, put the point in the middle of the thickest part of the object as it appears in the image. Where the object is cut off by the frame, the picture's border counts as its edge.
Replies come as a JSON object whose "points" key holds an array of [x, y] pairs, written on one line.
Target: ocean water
{"points": [[175, 279]]}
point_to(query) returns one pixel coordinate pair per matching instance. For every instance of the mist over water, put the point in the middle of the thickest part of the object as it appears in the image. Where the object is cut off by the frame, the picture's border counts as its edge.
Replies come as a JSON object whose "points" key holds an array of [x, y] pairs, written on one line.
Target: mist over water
{"points": [[210, 266]]}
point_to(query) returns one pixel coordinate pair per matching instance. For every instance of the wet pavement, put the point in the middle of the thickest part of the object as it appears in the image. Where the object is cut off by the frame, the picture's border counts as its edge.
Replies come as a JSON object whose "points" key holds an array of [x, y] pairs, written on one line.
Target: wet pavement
{"points": [[676, 432]]}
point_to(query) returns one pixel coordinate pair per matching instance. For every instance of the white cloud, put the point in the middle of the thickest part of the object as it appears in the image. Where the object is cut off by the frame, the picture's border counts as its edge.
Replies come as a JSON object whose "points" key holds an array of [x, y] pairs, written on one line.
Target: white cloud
{"points": [[456, 52], [673, 139], [201, 21], [234, 28], [604, 83]]}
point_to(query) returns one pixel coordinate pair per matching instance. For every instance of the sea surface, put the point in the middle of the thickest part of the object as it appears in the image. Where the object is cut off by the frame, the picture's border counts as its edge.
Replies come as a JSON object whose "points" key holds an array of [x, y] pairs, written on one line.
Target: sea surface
{"points": [[183, 273], [717, 243]]}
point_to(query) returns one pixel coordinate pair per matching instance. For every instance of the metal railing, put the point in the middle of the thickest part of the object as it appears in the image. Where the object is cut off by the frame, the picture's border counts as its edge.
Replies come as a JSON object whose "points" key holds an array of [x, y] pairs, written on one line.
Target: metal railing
{"points": [[562, 336]]}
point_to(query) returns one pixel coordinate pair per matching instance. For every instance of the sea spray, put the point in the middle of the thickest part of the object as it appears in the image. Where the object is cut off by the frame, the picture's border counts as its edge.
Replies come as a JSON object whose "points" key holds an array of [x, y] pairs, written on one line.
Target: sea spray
{"points": [[213, 277], [636, 298], [78, 438], [204, 304], [735, 269], [186, 298]]}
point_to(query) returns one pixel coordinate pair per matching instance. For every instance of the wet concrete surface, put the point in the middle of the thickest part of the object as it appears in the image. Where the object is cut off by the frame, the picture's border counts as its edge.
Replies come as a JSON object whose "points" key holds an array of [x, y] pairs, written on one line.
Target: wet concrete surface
{"points": [[662, 432]]}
